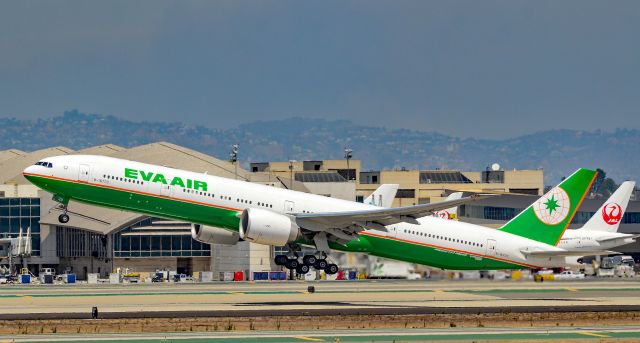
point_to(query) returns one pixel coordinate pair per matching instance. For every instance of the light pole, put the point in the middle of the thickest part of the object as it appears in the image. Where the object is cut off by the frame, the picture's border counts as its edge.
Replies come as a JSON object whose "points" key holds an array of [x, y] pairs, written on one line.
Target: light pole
{"points": [[233, 157], [348, 154], [291, 173]]}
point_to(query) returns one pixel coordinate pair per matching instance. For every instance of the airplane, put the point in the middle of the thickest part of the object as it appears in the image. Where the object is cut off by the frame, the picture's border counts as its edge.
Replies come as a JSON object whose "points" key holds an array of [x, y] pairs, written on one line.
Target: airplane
{"points": [[600, 232], [225, 211]]}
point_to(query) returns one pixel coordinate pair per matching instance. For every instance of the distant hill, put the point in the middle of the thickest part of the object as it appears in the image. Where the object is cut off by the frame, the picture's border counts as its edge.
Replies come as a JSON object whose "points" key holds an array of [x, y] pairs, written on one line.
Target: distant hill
{"points": [[559, 152]]}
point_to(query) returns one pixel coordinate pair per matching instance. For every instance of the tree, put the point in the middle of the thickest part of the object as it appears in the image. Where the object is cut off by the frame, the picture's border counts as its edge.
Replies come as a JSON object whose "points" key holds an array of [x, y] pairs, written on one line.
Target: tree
{"points": [[603, 186]]}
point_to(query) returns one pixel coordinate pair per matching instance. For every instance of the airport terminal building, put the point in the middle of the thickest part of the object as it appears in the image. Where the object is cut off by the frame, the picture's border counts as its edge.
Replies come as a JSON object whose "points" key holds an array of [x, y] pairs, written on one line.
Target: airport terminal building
{"points": [[100, 240]]}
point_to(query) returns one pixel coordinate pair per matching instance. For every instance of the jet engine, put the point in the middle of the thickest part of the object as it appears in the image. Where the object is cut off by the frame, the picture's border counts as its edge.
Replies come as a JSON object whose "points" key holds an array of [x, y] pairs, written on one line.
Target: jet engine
{"points": [[214, 235], [266, 227]]}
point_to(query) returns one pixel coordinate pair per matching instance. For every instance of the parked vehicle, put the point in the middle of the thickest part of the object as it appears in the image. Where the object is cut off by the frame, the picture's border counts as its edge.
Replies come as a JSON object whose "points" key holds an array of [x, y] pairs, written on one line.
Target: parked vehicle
{"points": [[568, 275]]}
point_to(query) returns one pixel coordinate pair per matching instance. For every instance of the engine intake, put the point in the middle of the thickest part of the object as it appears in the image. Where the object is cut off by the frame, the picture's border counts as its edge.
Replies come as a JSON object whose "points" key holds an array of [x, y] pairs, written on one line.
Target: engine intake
{"points": [[266, 227], [214, 235]]}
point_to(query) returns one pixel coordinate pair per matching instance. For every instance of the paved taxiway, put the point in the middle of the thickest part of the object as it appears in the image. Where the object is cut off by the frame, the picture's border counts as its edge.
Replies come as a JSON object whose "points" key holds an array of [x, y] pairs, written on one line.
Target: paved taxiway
{"points": [[344, 297], [372, 335]]}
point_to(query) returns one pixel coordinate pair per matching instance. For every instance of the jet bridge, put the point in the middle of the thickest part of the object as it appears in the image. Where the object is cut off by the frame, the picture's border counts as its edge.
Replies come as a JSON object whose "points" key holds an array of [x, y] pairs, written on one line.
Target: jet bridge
{"points": [[12, 248]]}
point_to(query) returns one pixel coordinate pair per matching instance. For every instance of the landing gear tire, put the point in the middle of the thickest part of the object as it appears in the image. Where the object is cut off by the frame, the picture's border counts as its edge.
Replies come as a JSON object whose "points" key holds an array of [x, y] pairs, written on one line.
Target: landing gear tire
{"points": [[331, 269], [309, 260], [63, 218], [320, 264], [280, 260], [292, 263], [302, 269]]}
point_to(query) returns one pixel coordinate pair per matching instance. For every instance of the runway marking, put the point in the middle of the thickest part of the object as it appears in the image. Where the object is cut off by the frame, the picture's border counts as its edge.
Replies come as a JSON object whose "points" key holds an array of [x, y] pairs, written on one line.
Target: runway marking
{"points": [[309, 338], [593, 334], [572, 290]]}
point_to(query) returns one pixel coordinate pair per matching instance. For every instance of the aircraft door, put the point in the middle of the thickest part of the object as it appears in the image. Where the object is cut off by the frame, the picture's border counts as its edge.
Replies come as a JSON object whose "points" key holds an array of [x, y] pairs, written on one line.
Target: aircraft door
{"points": [[289, 207], [166, 190], [491, 247], [83, 173], [393, 231]]}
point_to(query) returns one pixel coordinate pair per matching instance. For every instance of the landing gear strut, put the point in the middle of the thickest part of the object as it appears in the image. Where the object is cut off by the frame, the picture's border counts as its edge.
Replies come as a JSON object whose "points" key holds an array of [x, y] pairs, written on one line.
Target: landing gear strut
{"points": [[64, 201]]}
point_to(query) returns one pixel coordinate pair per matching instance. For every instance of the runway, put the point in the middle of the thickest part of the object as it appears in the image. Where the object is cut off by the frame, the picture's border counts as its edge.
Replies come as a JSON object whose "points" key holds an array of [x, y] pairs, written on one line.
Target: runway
{"points": [[339, 297]]}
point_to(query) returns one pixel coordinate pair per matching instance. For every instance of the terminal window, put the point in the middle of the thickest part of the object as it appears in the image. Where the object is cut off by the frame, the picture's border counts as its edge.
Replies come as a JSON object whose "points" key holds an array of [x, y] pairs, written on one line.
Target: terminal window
{"points": [[21, 213]]}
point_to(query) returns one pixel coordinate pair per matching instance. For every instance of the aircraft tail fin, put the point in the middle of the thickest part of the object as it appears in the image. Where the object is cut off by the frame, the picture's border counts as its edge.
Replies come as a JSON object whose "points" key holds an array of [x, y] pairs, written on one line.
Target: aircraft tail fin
{"points": [[383, 196], [609, 215], [548, 217], [452, 212]]}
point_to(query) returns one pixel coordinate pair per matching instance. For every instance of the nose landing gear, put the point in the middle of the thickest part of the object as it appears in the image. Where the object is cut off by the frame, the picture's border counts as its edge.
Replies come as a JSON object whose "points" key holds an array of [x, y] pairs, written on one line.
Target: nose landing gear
{"points": [[63, 218], [64, 202]]}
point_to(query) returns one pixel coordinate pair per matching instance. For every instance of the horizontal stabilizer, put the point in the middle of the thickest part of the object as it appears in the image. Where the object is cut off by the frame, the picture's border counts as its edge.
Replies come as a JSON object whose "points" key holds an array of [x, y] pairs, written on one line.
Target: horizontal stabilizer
{"points": [[609, 239], [552, 253]]}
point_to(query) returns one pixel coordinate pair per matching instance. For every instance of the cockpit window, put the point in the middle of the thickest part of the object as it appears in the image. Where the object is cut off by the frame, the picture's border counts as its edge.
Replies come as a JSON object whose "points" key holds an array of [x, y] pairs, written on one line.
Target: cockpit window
{"points": [[44, 164]]}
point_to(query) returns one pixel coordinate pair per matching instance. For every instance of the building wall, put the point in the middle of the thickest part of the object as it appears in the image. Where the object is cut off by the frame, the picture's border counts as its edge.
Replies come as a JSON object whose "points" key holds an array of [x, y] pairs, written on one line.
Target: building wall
{"points": [[281, 169], [524, 179], [82, 266], [18, 191], [151, 264], [433, 192], [339, 190]]}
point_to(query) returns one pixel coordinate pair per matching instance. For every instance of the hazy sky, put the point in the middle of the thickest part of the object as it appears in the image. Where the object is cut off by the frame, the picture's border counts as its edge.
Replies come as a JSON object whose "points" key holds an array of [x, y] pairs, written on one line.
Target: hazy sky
{"points": [[467, 68]]}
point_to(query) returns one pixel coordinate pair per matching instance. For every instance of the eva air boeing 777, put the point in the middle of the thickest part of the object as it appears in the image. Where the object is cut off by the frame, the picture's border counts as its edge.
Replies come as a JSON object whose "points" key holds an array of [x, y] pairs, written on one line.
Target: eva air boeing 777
{"points": [[225, 211]]}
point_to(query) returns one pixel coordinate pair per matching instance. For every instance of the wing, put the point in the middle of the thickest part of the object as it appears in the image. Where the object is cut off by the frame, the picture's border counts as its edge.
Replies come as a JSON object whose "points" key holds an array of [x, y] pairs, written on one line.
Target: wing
{"points": [[377, 218]]}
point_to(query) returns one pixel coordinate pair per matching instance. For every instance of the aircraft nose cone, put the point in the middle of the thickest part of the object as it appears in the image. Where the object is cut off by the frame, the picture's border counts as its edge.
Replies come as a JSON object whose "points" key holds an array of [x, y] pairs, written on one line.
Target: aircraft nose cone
{"points": [[29, 170]]}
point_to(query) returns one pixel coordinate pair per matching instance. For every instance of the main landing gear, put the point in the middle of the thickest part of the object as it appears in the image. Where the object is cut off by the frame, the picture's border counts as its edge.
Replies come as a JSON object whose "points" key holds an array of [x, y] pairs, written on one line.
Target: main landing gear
{"points": [[308, 262]]}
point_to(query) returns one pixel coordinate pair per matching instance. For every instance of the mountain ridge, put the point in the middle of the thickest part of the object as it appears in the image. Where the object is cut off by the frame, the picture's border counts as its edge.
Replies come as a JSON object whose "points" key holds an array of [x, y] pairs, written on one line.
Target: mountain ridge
{"points": [[559, 152]]}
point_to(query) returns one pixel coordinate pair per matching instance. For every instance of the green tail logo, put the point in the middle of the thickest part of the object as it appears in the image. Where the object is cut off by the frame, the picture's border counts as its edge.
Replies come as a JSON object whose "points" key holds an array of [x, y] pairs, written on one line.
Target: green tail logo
{"points": [[547, 218]]}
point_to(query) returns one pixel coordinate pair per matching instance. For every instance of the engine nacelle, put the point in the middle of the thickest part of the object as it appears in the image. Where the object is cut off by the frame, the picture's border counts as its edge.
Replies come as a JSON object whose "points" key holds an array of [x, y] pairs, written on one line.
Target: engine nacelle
{"points": [[213, 235], [266, 227]]}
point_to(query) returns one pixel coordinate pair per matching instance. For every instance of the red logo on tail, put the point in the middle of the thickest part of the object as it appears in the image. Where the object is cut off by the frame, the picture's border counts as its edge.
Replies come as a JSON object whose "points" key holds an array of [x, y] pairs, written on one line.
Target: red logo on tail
{"points": [[612, 213], [443, 214]]}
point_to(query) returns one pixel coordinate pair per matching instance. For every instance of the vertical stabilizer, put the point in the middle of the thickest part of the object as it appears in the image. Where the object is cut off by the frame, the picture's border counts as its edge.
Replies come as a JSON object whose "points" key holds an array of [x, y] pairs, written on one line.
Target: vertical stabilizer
{"points": [[452, 212], [383, 196], [609, 215], [547, 218]]}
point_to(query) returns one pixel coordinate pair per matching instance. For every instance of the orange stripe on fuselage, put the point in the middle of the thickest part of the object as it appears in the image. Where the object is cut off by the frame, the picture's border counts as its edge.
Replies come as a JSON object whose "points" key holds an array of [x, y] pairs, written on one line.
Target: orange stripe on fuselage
{"points": [[132, 191]]}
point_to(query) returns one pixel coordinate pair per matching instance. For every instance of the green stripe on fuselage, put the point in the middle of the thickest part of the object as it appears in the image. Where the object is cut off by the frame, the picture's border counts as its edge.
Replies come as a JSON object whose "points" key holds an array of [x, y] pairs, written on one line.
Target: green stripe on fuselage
{"points": [[421, 254]]}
